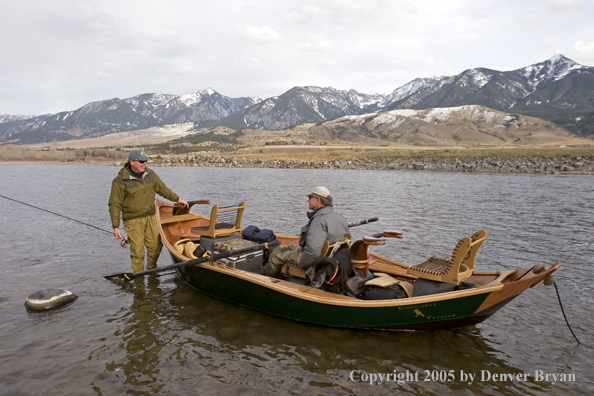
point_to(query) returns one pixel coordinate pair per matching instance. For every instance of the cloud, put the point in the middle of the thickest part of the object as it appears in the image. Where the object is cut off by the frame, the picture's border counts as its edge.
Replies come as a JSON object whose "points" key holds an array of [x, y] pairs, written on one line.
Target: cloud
{"points": [[563, 5], [584, 50], [585, 47], [261, 34], [317, 43], [62, 54], [347, 13], [247, 60]]}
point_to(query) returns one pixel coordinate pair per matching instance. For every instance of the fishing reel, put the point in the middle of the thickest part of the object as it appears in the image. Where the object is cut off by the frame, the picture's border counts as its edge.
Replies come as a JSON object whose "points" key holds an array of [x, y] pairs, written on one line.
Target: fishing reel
{"points": [[125, 242]]}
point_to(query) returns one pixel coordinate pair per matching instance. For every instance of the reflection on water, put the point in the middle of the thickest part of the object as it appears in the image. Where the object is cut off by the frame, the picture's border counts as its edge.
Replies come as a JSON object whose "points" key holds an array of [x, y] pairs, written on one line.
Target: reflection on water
{"points": [[158, 336], [221, 348]]}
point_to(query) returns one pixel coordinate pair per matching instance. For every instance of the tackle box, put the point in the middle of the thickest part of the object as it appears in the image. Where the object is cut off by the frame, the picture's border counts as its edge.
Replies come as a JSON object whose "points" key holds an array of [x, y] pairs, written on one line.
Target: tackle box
{"points": [[251, 262]]}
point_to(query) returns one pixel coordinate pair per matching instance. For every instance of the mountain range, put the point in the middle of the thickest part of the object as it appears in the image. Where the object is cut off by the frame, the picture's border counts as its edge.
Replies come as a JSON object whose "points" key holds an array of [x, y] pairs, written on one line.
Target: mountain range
{"points": [[558, 90]]}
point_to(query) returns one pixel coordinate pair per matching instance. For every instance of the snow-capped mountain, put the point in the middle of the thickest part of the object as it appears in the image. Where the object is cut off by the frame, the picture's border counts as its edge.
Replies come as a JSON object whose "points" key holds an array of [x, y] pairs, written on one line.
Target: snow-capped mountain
{"points": [[300, 105], [552, 69], [117, 115], [11, 118], [200, 106], [409, 90], [13, 125], [496, 89], [557, 89]]}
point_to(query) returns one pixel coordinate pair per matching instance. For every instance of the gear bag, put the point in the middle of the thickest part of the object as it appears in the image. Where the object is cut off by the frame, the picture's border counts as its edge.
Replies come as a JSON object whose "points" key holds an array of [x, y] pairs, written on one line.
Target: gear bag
{"points": [[253, 233]]}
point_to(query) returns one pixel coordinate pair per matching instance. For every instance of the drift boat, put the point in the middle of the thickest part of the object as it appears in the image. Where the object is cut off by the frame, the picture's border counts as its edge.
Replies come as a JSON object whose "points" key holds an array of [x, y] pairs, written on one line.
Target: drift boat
{"points": [[442, 293]]}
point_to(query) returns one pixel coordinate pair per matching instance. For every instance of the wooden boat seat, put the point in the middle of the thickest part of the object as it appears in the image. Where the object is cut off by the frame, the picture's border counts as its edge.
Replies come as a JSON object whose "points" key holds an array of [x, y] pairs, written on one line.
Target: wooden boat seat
{"points": [[459, 268], [328, 248], [299, 272], [223, 221], [359, 253], [477, 241]]}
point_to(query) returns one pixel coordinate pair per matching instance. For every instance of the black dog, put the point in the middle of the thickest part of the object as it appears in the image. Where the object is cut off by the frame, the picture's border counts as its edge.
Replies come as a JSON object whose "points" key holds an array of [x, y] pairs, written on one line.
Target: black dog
{"points": [[331, 274]]}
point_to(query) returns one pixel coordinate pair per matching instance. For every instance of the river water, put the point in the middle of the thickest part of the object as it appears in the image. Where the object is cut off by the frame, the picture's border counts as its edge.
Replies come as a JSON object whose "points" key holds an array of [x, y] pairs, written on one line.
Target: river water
{"points": [[159, 336]]}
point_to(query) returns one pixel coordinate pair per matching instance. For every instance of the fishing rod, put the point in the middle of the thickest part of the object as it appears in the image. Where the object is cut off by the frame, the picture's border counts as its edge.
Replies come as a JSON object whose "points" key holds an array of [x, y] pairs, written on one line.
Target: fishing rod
{"points": [[124, 242]]}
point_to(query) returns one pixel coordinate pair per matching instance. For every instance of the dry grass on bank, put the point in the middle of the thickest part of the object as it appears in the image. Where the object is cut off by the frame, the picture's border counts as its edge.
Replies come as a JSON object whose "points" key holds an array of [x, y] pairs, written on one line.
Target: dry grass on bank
{"points": [[18, 154], [311, 154]]}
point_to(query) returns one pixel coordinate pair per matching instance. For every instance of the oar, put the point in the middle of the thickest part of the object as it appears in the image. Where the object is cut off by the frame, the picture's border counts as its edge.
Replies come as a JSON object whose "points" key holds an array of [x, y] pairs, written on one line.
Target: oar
{"points": [[128, 276], [366, 221], [388, 234]]}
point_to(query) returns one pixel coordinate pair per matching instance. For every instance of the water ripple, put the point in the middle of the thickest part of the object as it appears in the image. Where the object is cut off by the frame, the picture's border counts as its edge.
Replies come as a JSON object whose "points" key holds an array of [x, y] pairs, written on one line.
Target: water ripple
{"points": [[158, 336]]}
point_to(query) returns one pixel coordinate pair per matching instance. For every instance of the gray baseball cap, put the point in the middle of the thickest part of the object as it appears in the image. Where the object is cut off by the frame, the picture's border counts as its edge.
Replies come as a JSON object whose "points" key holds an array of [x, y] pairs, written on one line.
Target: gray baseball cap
{"points": [[139, 155]]}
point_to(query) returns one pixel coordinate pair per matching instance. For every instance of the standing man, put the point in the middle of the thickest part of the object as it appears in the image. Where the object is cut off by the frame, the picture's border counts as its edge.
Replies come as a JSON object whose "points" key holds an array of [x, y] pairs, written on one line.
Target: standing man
{"points": [[133, 197], [324, 224]]}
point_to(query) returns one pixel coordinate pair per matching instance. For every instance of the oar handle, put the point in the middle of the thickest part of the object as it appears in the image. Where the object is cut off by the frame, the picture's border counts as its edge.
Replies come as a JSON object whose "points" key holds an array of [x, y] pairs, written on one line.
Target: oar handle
{"points": [[199, 202], [366, 221], [180, 210], [388, 234], [128, 276]]}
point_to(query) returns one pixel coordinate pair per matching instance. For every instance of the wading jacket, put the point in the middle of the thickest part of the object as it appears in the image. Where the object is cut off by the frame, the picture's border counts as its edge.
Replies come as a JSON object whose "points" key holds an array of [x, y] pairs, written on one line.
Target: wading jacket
{"points": [[133, 198], [324, 224]]}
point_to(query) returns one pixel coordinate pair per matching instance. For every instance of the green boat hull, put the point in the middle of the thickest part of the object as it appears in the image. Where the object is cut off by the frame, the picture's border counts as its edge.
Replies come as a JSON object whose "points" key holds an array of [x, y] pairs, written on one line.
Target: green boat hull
{"points": [[439, 314]]}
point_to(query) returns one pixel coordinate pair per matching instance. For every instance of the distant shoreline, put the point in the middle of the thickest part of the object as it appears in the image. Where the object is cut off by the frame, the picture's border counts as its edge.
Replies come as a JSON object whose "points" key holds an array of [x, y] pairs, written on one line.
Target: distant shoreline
{"points": [[544, 160], [509, 163]]}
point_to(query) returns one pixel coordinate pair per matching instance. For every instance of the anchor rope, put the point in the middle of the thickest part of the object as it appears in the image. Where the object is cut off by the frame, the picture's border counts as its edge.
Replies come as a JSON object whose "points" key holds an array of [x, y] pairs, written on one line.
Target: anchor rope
{"points": [[57, 214], [563, 311]]}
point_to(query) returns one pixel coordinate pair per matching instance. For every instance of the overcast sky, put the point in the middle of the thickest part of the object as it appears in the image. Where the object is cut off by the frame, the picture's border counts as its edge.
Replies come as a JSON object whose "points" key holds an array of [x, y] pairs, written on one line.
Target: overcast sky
{"points": [[60, 55]]}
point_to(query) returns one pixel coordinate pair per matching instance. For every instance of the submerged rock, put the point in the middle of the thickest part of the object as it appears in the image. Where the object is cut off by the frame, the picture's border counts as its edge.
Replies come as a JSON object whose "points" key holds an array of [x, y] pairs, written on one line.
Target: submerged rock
{"points": [[49, 298]]}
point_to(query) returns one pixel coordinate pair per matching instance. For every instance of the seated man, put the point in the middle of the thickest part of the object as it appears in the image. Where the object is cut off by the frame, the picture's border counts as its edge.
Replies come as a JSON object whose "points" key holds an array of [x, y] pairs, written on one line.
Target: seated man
{"points": [[324, 224]]}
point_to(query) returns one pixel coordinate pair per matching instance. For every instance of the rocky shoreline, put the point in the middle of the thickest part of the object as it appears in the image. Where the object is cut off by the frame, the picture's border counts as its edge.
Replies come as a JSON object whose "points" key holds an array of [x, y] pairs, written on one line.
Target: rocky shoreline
{"points": [[558, 165]]}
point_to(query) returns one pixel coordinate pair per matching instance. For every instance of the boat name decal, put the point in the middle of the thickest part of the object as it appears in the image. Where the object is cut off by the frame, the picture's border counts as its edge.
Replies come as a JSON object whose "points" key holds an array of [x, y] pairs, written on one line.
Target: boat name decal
{"points": [[417, 310], [432, 317], [416, 307]]}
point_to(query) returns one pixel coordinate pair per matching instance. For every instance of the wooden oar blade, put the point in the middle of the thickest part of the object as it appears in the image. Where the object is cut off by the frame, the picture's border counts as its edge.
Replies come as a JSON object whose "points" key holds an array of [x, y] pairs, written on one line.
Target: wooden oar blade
{"points": [[125, 276]]}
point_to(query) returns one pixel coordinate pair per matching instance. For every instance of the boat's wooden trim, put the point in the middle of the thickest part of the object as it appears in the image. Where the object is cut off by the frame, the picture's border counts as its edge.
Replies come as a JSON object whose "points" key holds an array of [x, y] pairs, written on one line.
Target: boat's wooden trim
{"points": [[389, 260], [323, 297], [501, 276], [166, 241], [184, 217], [287, 239], [389, 266], [516, 286]]}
